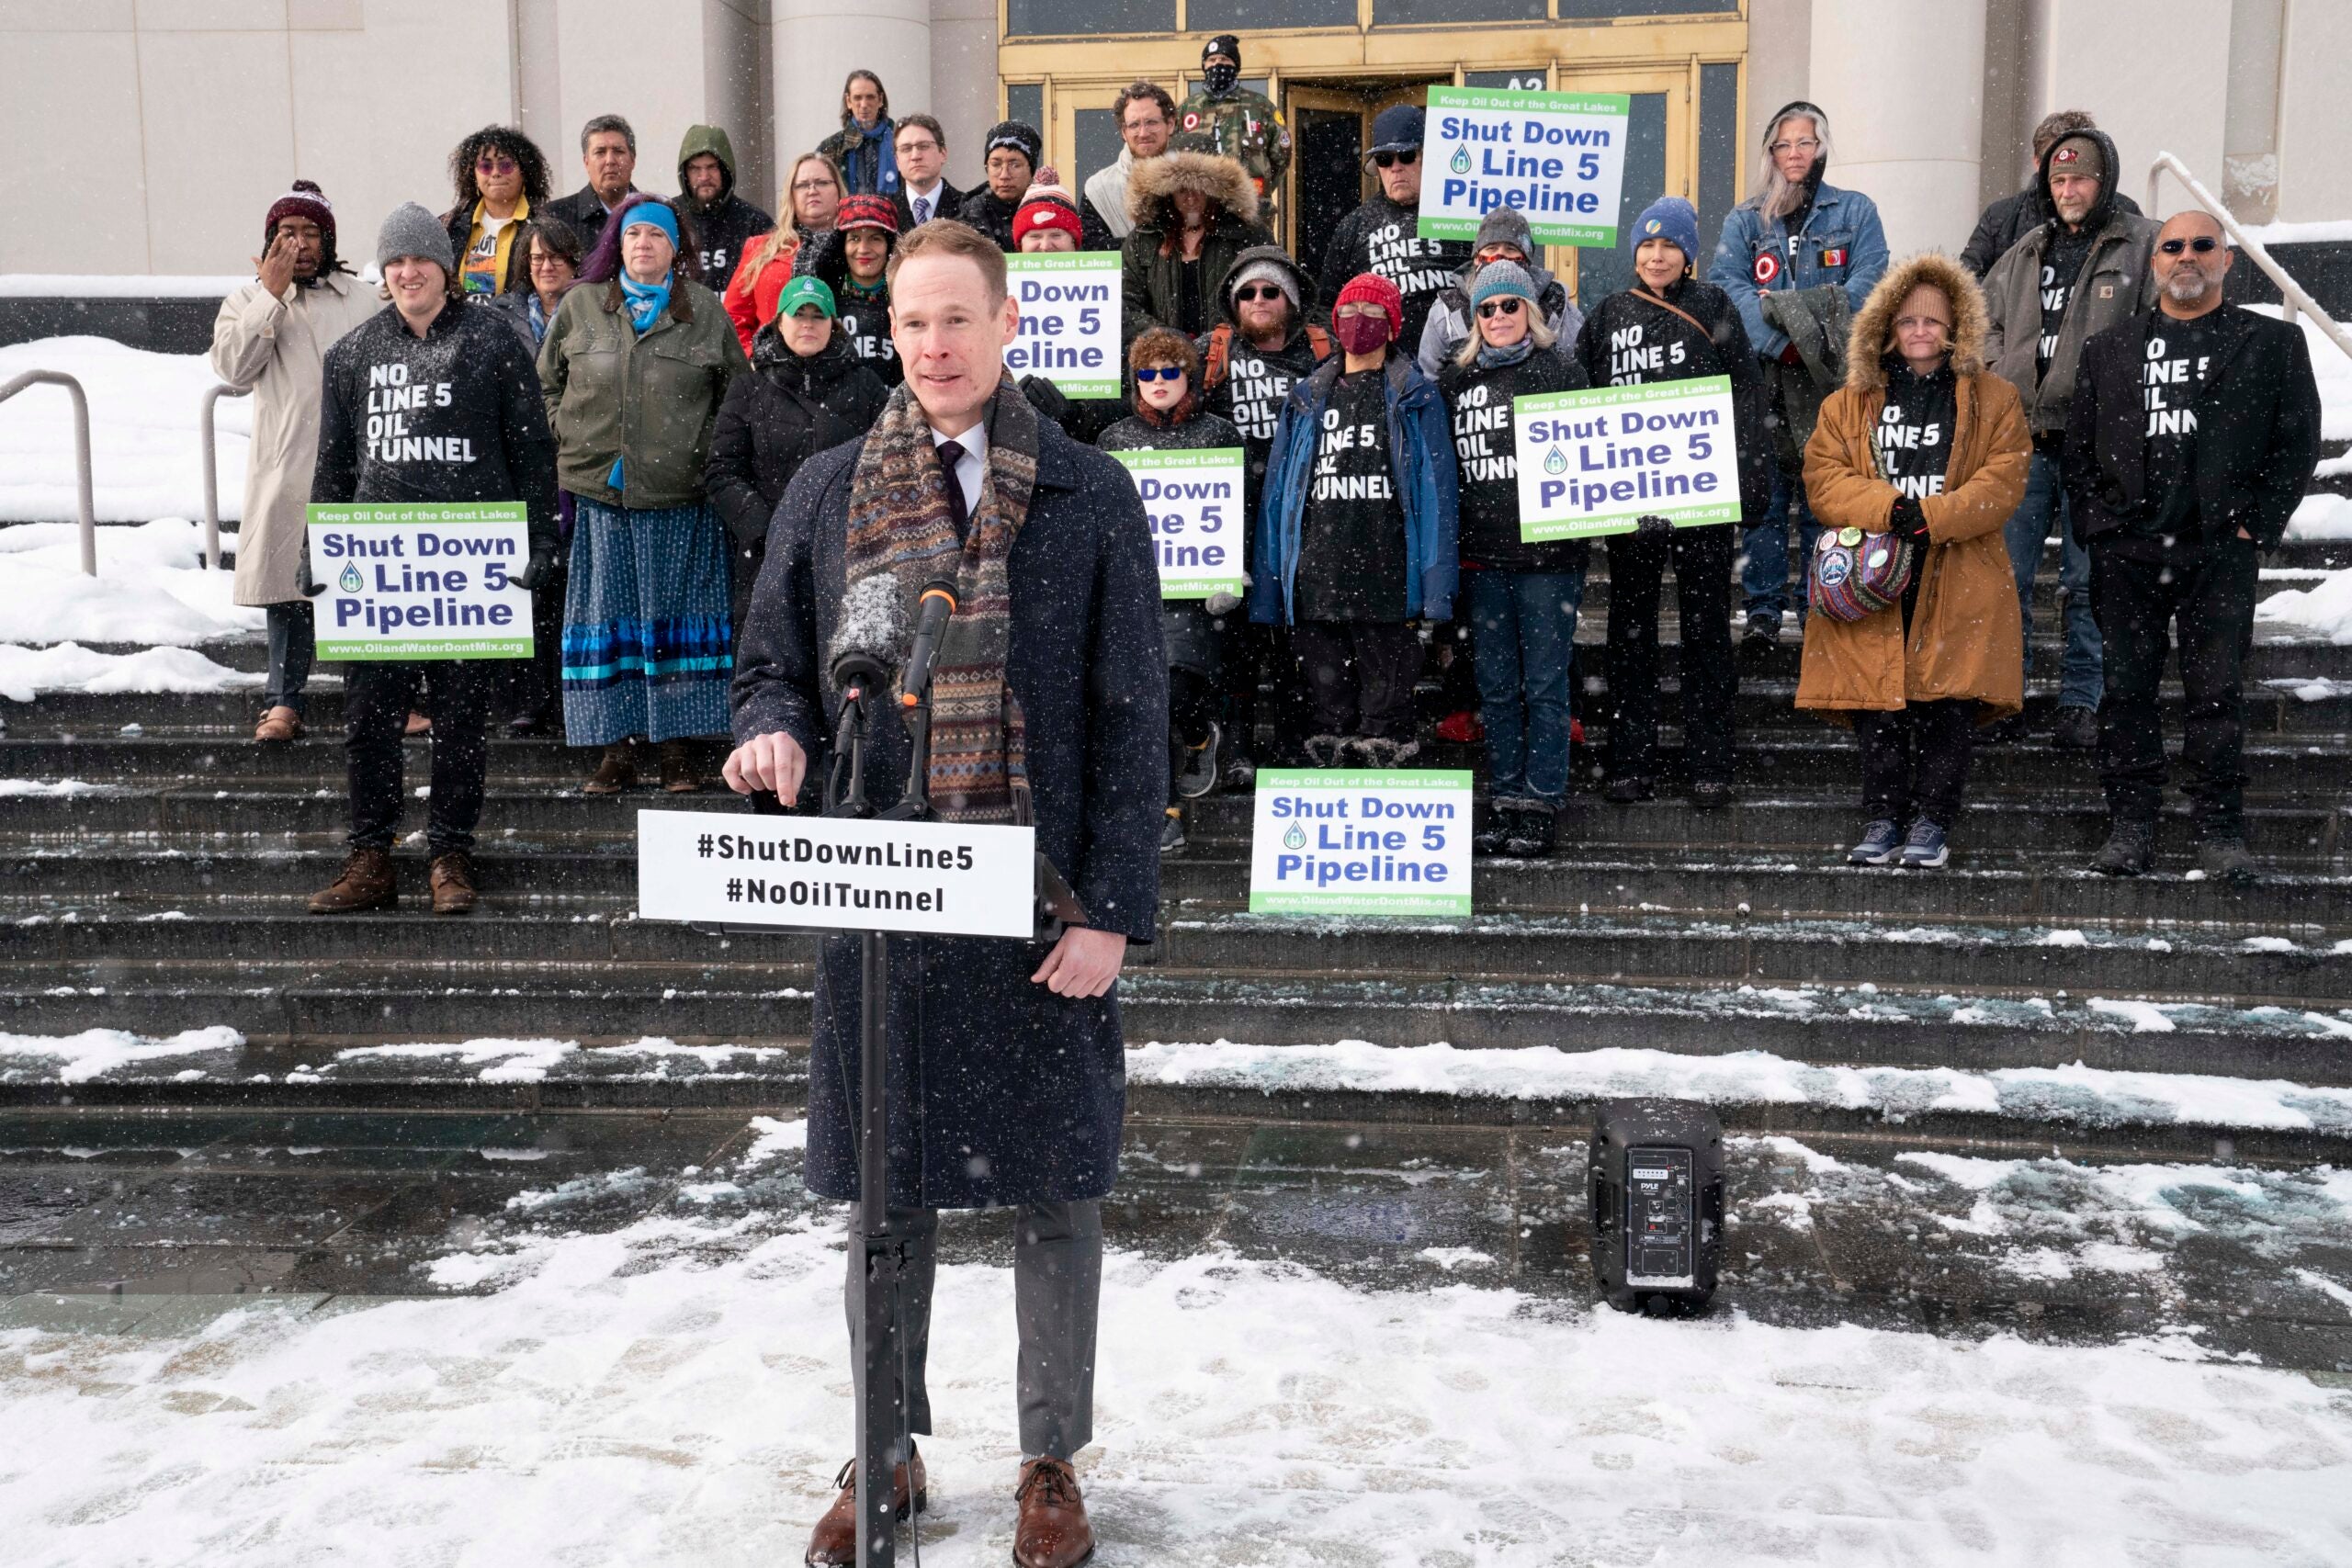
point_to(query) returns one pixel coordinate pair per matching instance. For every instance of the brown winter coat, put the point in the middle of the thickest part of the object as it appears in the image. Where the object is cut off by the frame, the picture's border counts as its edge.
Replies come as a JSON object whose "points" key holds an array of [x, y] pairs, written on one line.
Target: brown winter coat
{"points": [[1152, 270], [1966, 637]]}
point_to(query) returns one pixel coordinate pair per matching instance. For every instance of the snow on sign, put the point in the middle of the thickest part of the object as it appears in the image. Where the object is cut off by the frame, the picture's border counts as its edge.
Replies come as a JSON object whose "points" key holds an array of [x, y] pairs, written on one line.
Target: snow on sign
{"points": [[1344, 841], [421, 580], [1559, 158], [834, 873], [1069, 320], [1194, 500], [1593, 461]]}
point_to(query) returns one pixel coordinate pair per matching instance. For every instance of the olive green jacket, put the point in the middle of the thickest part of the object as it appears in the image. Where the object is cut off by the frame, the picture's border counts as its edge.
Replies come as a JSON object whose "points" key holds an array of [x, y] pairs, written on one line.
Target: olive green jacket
{"points": [[648, 400]]}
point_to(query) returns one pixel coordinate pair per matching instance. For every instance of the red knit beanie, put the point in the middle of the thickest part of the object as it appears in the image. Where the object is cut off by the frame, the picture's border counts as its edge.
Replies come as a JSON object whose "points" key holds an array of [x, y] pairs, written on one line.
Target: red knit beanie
{"points": [[305, 200], [1047, 205], [1371, 288]]}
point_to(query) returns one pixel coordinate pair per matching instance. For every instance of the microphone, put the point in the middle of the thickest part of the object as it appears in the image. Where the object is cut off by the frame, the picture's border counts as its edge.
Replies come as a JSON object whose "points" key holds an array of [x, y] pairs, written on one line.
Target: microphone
{"points": [[865, 641], [932, 611]]}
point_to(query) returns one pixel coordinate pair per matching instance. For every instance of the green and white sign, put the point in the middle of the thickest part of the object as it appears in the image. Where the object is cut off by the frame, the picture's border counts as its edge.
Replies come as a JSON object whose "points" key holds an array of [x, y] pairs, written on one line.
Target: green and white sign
{"points": [[1198, 519], [1069, 321], [1593, 461], [421, 580], [1559, 158], [1346, 842]]}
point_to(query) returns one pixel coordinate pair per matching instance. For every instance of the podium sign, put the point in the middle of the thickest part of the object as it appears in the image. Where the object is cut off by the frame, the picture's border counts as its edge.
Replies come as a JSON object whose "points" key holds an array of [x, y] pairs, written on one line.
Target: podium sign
{"points": [[835, 874]]}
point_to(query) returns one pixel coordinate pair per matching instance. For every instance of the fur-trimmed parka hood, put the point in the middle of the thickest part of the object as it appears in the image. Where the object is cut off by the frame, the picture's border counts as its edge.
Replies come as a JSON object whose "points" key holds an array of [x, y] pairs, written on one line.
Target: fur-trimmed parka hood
{"points": [[1874, 328], [1154, 182]]}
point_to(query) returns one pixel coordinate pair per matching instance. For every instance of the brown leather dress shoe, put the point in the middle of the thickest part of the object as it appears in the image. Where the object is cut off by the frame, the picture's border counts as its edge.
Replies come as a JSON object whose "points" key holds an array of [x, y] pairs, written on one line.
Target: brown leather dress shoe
{"points": [[366, 884], [681, 771], [1053, 1531], [453, 884], [834, 1541], [615, 773], [280, 724]]}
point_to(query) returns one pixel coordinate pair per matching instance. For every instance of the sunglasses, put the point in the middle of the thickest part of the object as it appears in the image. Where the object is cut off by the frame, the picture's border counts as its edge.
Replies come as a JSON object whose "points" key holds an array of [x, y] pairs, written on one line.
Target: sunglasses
{"points": [[1390, 160], [2203, 244], [1500, 306], [496, 166], [1258, 291], [1161, 373]]}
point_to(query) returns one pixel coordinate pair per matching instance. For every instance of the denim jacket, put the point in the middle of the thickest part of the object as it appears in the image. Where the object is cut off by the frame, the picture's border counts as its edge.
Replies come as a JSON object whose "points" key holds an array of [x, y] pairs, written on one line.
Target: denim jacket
{"points": [[1420, 453], [1842, 224]]}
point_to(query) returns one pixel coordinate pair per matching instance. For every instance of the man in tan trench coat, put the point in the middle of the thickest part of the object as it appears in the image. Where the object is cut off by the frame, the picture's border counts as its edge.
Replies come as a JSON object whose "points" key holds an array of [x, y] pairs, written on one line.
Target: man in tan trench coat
{"points": [[271, 339]]}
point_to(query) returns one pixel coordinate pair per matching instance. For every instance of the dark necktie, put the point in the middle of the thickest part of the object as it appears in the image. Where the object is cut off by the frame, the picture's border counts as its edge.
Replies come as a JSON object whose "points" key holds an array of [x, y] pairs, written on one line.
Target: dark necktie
{"points": [[922, 210], [951, 455]]}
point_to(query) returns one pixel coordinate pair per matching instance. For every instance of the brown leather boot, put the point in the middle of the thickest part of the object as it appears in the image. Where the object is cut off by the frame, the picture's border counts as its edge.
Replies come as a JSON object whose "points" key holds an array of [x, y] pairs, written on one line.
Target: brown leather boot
{"points": [[615, 773], [366, 884], [453, 884], [681, 772], [1053, 1531], [280, 724], [834, 1541]]}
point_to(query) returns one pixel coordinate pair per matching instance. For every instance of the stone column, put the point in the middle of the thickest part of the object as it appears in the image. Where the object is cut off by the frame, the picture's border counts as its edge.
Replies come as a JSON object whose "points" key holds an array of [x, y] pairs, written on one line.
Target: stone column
{"points": [[1904, 87]]}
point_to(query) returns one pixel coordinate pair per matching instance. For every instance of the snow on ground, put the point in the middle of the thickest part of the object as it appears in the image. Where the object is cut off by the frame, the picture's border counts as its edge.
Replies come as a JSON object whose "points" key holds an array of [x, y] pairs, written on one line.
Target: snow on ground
{"points": [[2321, 516], [2322, 610], [27, 672], [677, 1392], [151, 587], [81, 1057], [146, 459]]}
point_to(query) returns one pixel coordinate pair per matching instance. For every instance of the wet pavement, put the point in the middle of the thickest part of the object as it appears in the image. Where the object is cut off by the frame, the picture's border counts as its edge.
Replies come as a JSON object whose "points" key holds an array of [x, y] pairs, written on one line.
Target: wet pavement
{"points": [[130, 1223]]}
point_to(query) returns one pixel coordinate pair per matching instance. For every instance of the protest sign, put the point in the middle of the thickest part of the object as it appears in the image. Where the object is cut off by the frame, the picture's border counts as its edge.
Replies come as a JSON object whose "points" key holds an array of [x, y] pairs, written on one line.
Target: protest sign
{"points": [[421, 580], [837, 873], [1194, 500], [1593, 461], [1349, 842], [1069, 321], [1559, 158]]}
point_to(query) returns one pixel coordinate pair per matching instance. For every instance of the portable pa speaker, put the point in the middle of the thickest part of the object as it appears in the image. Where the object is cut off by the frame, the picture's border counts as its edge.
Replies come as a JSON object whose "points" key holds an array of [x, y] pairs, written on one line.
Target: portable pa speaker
{"points": [[1656, 1185]]}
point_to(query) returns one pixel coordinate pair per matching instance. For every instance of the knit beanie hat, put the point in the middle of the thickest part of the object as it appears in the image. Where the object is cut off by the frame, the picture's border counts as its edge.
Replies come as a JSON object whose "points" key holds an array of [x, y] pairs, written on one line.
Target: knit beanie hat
{"points": [[1266, 270], [1668, 217], [1022, 139], [1226, 44], [806, 289], [305, 200], [412, 232], [1370, 288], [1505, 226], [866, 212], [1047, 205], [1499, 277]]}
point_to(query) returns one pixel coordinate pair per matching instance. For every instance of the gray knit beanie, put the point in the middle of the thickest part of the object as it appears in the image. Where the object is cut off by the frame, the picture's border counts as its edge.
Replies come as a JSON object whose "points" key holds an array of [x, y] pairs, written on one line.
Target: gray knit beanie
{"points": [[412, 232], [1500, 277], [1505, 226]]}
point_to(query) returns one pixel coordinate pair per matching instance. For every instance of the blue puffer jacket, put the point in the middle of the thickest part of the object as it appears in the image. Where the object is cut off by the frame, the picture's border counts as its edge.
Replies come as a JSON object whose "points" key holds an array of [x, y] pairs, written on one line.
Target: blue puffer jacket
{"points": [[1421, 451], [1841, 224]]}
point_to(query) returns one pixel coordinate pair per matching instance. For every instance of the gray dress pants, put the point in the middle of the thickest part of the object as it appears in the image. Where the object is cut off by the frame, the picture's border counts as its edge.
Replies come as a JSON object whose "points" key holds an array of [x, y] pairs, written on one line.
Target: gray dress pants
{"points": [[1056, 1293]]}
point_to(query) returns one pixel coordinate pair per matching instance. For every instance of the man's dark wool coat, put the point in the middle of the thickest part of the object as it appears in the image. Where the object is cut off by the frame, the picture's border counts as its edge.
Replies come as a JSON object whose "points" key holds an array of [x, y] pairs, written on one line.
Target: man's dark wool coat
{"points": [[2257, 430], [1000, 1092]]}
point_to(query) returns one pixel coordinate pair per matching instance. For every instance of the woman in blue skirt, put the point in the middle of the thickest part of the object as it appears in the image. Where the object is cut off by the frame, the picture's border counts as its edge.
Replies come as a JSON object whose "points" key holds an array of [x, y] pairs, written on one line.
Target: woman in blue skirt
{"points": [[634, 366]]}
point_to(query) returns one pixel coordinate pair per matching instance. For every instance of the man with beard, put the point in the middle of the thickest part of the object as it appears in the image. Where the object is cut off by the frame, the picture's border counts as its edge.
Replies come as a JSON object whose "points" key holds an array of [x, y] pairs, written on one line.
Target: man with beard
{"points": [[1381, 237], [2192, 433], [723, 222]]}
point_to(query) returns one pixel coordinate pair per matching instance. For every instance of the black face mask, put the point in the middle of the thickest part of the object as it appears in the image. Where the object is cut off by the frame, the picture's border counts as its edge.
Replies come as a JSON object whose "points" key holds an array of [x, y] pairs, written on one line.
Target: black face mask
{"points": [[1221, 78]]}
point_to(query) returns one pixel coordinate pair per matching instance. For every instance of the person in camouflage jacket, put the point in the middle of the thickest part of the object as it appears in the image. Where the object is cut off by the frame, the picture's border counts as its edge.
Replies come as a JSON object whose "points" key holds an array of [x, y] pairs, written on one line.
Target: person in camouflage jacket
{"points": [[1227, 118]]}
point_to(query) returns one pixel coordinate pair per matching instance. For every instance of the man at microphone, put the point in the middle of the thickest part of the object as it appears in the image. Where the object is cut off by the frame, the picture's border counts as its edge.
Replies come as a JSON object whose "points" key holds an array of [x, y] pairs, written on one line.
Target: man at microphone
{"points": [[1007, 1081]]}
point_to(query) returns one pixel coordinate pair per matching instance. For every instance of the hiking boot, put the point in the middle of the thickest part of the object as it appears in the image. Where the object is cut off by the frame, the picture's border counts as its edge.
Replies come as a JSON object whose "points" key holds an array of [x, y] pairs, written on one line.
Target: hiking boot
{"points": [[1882, 841], [366, 884], [2225, 859], [1763, 635], [615, 773], [280, 725], [680, 774], [453, 883], [1711, 794], [1053, 1531], [2129, 850], [1171, 830], [1625, 791], [2075, 730], [1197, 776], [834, 1541], [1531, 831], [1489, 840], [1926, 849]]}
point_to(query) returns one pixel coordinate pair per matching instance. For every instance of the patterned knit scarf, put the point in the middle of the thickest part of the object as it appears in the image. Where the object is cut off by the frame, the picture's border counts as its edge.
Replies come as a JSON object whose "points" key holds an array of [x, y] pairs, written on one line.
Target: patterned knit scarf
{"points": [[898, 523]]}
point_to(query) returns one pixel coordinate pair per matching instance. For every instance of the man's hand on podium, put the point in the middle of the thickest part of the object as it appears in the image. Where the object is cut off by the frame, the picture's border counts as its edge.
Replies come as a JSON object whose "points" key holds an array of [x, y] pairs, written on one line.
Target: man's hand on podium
{"points": [[1083, 963], [767, 761]]}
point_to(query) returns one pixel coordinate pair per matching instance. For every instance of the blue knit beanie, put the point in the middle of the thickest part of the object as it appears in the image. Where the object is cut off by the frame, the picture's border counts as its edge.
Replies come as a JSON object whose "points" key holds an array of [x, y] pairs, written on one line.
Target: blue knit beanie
{"points": [[1668, 217], [1498, 278], [658, 214]]}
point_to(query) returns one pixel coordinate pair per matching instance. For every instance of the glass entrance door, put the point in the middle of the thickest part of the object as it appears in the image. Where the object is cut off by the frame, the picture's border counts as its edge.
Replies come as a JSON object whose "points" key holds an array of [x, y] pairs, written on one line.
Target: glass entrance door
{"points": [[1330, 126]]}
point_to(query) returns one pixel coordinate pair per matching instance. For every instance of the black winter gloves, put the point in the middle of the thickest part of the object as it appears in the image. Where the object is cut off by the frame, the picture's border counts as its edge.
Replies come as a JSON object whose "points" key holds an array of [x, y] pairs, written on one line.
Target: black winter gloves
{"points": [[1907, 522], [536, 571], [1652, 527]]}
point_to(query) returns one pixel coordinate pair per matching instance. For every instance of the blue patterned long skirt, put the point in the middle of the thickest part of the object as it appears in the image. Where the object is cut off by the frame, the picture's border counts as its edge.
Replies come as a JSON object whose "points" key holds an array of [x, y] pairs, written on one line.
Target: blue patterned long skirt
{"points": [[647, 650]]}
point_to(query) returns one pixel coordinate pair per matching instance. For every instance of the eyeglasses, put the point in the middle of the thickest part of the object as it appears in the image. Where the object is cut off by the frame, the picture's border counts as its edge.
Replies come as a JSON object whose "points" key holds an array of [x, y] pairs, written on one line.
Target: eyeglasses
{"points": [[1249, 291], [542, 259], [802, 187], [1808, 145], [2203, 244], [1500, 308], [1409, 157], [1352, 312], [920, 144], [1161, 373], [495, 166]]}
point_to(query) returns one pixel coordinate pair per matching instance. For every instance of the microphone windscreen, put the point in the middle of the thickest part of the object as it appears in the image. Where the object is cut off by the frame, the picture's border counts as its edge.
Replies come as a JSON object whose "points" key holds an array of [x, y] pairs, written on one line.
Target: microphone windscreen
{"points": [[873, 621]]}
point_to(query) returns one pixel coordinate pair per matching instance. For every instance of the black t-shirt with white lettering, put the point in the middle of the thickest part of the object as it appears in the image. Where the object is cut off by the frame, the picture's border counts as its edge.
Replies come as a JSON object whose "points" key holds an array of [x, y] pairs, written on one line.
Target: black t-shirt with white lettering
{"points": [[2062, 269], [1913, 440], [1478, 401], [2173, 369], [1351, 549]]}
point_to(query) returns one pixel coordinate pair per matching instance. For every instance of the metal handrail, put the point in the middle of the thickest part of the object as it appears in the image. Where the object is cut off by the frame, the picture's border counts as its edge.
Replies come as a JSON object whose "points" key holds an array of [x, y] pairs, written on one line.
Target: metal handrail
{"points": [[212, 395], [81, 452], [2290, 293]]}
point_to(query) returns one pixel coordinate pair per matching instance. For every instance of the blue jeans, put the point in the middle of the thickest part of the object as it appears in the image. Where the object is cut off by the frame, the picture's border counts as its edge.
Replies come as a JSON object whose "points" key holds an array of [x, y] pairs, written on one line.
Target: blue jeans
{"points": [[293, 646], [2080, 680], [1525, 624], [1765, 578]]}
